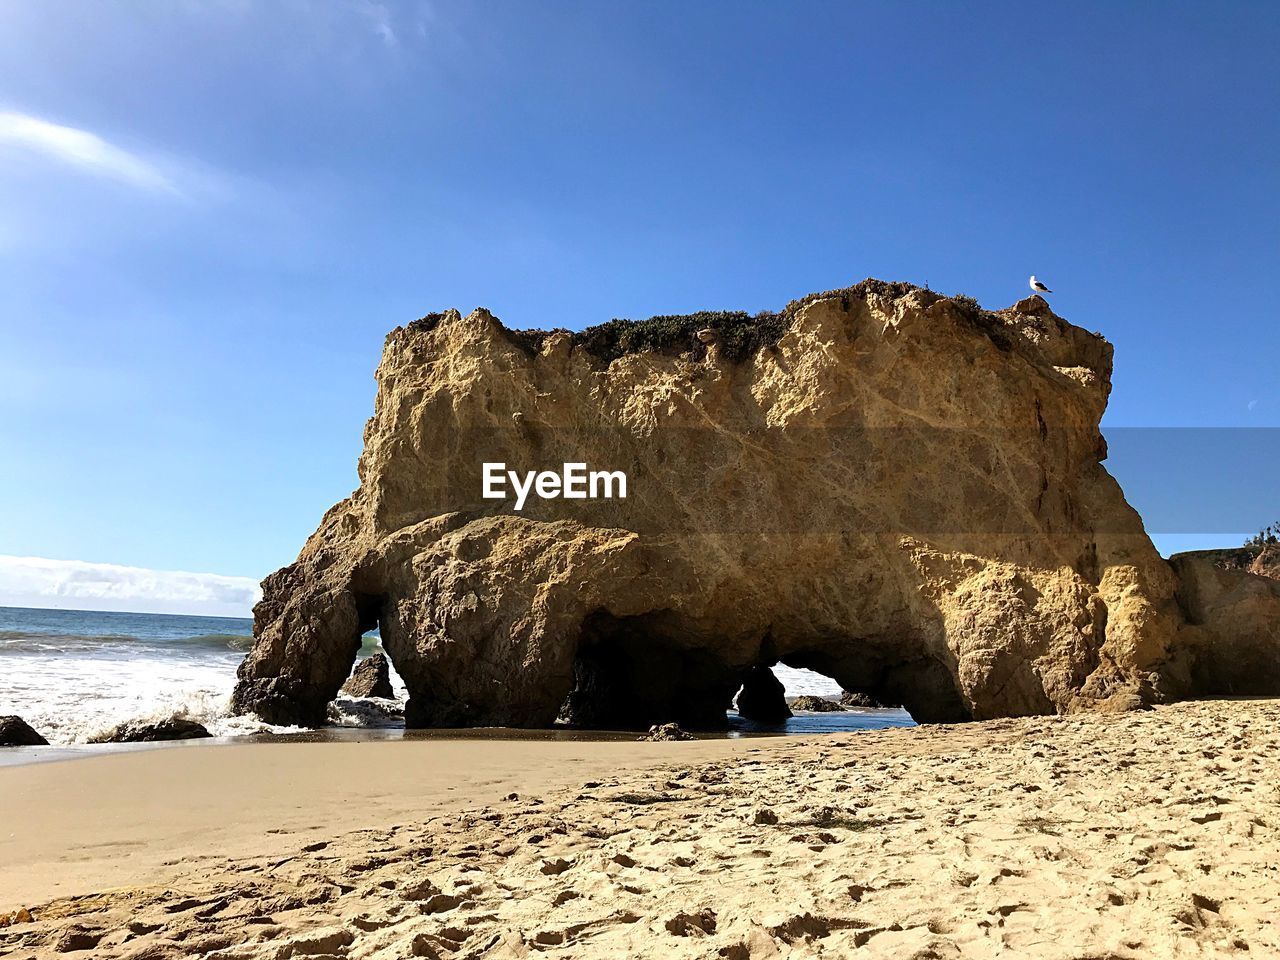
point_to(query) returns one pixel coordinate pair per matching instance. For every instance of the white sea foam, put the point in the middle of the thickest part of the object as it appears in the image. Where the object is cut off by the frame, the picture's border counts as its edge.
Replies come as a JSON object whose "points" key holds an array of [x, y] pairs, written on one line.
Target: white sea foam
{"points": [[71, 699], [805, 682]]}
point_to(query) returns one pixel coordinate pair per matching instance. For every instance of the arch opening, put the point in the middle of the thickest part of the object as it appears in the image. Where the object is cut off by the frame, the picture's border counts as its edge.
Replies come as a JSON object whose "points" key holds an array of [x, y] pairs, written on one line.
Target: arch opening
{"points": [[630, 673], [371, 617], [800, 700], [889, 675]]}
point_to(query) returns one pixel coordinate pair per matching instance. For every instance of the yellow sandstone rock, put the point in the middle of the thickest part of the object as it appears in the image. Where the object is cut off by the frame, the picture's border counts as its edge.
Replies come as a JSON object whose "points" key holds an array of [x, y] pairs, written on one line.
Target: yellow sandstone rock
{"points": [[897, 489]]}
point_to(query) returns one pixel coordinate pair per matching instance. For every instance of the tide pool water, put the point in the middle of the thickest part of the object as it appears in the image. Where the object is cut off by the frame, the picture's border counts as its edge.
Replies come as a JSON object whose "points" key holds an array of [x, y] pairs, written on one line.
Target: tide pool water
{"points": [[72, 674]]}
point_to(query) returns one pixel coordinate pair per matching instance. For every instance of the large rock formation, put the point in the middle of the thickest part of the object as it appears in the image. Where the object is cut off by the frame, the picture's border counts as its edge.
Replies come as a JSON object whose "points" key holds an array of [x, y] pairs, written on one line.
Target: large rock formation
{"points": [[897, 489]]}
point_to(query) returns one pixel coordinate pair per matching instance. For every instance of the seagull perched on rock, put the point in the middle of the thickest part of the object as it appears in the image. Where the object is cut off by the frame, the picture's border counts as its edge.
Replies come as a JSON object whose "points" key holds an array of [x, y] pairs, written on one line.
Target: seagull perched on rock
{"points": [[1037, 286]]}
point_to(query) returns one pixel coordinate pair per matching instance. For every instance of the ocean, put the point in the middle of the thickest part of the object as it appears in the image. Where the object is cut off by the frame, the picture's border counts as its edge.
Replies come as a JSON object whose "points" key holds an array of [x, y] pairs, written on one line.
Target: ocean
{"points": [[72, 674]]}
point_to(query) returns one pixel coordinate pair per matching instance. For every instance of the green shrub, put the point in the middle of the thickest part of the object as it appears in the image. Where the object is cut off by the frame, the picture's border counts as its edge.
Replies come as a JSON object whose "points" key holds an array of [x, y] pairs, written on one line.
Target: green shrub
{"points": [[741, 334]]}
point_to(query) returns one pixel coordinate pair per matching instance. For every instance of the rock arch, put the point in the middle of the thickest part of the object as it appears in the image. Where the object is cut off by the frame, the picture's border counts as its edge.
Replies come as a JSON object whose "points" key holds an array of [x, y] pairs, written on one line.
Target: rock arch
{"points": [[894, 488]]}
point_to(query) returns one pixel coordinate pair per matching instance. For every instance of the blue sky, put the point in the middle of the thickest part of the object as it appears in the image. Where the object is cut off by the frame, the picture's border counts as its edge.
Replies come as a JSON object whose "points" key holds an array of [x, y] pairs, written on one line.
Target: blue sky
{"points": [[211, 213]]}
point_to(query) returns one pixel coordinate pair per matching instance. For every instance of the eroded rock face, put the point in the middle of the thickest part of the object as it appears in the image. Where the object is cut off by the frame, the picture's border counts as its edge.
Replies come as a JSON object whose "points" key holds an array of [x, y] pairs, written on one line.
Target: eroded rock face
{"points": [[881, 484], [1267, 563], [1232, 632]]}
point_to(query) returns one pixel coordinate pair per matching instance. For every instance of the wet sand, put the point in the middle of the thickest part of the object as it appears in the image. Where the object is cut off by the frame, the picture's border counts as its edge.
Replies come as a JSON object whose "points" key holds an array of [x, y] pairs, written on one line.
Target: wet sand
{"points": [[1142, 835]]}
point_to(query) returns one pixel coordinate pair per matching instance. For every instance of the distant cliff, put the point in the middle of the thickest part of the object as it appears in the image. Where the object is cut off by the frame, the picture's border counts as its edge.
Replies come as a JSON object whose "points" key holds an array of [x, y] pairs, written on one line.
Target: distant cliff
{"points": [[894, 488]]}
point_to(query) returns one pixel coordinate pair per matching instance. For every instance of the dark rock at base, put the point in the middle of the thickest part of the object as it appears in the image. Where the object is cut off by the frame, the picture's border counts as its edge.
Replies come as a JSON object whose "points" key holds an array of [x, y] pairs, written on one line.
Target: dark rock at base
{"points": [[667, 731], [854, 699], [816, 705], [370, 678], [173, 728], [762, 697], [16, 732]]}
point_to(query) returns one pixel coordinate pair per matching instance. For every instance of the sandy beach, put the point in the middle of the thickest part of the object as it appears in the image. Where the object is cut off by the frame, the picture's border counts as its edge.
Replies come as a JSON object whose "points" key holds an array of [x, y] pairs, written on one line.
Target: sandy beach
{"points": [[1153, 834]]}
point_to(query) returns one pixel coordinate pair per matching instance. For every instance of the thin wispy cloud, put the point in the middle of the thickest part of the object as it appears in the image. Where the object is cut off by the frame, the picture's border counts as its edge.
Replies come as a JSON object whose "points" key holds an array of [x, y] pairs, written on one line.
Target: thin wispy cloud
{"points": [[379, 18], [77, 585], [326, 25], [84, 151]]}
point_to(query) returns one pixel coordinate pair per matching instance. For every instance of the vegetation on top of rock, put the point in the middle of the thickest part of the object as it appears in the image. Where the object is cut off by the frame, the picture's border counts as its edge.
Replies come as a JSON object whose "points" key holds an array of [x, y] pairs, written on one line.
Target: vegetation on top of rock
{"points": [[740, 334], [985, 321], [1259, 554], [425, 324], [1268, 536], [530, 341]]}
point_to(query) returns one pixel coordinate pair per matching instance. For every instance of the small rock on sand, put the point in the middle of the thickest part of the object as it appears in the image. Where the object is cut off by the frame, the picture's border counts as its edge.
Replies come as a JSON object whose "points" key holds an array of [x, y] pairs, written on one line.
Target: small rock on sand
{"points": [[171, 728], [667, 731]]}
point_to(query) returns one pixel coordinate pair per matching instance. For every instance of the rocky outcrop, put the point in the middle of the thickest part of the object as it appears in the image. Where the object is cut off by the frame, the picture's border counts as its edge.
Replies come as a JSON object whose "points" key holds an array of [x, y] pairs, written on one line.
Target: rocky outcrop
{"points": [[666, 732], [812, 704], [1262, 560], [370, 678], [153, 731], [1232, 632], [855, 698], [896, 489], [762, 697], [1267, 562], [16, 732]]}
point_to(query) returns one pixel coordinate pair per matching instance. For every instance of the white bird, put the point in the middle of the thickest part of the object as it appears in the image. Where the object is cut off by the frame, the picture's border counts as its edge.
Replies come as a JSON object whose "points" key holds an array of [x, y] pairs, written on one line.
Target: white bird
{"points": [[1037, 286]]}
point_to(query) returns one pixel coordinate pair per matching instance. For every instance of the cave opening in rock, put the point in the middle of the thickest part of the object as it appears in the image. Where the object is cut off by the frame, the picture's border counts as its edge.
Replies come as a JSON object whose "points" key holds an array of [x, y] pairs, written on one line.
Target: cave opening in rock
{"points": [[773, 696], [888, 672], [368, 611], [370, 619], [633, 672]]}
